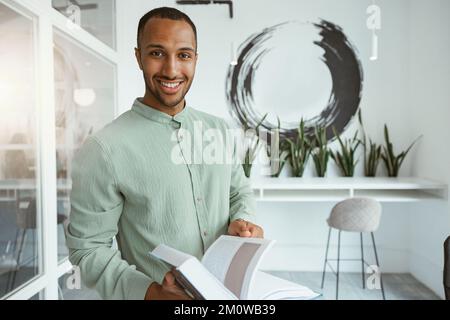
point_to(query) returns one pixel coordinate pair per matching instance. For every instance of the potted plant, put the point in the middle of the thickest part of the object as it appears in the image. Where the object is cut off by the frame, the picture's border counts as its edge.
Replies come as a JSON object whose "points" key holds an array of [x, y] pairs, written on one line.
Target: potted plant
{"points": [[345, 159], [321, 152], [372, 152], [253, 143], [393, 162], [298, 151], [276, 153]]}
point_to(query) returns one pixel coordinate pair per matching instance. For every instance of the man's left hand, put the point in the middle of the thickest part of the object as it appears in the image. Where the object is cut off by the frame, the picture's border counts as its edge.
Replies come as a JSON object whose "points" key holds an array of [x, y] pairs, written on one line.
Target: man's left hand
{"points": [[243, 228]]}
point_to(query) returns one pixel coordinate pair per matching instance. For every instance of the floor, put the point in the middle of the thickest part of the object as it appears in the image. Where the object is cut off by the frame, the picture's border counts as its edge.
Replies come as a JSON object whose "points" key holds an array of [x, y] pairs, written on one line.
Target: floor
{"points": [[397, 287]]}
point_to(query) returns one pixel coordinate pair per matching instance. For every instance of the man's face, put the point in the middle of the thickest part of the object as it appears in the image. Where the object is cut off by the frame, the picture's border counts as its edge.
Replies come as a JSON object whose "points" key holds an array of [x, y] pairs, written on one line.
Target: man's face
{"points": [[167, 56]]}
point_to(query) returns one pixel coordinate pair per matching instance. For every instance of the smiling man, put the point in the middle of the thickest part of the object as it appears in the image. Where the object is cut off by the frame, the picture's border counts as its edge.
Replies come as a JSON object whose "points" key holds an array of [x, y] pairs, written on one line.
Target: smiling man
{"points": [[167, 55], [125, 183]]}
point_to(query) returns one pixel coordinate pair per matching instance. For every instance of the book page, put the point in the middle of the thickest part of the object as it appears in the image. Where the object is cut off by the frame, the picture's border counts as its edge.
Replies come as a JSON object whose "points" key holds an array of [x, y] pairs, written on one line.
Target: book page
{"points": [[170, 255], [206, 285], [192, 275], [268, 287], [234, 260]]}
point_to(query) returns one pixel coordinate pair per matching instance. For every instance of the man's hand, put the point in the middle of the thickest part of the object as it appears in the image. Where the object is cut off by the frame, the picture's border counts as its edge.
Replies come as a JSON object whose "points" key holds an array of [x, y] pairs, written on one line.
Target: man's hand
{"points": [[169, 290], [242, 228]]}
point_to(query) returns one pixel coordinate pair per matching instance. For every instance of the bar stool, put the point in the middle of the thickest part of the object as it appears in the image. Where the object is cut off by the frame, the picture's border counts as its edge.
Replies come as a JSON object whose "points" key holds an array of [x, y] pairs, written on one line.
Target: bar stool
{"points": [[353, 215]]}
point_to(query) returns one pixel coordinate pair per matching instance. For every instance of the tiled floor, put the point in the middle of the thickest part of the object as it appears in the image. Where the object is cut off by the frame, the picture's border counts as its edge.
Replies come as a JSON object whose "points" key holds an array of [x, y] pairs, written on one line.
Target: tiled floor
{"points": [[396, 286]]}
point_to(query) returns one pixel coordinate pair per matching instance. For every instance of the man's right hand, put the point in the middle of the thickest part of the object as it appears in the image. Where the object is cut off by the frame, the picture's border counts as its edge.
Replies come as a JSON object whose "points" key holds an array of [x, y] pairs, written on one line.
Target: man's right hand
{"points": [[169, 290]]}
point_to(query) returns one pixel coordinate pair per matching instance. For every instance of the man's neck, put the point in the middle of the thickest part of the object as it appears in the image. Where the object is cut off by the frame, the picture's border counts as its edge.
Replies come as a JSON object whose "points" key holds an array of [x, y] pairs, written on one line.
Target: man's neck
{"points": [[171, 111]]}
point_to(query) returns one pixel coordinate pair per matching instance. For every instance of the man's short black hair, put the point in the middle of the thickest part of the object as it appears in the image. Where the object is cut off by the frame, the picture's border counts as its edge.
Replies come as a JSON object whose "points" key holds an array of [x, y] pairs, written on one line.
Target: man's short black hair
{"points": [[164, 13]]}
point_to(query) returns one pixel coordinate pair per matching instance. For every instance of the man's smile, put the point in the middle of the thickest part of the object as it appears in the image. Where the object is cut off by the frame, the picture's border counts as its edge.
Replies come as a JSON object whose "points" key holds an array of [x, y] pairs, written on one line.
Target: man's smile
{"points": [[170, 87]]}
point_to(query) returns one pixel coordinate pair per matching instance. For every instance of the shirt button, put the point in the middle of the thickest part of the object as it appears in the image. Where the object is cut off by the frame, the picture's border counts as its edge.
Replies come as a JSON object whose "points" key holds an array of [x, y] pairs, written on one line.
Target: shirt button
{"points": [[199, 199], [205, 233], [180, 135]]}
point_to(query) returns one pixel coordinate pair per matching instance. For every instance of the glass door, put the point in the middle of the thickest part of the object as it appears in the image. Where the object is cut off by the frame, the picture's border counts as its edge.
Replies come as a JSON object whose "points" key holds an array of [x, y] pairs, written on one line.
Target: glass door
{"points": [[84, 102], [20, 222], [57, 87]]}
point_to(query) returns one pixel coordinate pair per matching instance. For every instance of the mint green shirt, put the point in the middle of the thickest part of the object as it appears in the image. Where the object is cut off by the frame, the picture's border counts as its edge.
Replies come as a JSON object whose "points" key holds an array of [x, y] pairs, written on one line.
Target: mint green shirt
{"points": [[125, 184]]}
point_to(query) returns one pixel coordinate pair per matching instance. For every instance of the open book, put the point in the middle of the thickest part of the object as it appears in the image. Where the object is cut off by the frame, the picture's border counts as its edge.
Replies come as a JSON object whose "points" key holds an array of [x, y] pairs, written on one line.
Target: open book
{"points": [[229, 271]]}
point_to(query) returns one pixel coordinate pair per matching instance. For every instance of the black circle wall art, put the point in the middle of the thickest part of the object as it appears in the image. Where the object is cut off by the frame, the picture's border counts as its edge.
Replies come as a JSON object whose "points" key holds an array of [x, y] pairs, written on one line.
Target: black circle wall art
{"points": [[329, 49]]}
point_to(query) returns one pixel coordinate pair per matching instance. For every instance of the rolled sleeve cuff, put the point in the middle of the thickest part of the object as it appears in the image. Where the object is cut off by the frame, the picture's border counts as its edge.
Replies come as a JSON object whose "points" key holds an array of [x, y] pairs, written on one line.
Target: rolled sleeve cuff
{"points": [[244, 216], [138, 284]]}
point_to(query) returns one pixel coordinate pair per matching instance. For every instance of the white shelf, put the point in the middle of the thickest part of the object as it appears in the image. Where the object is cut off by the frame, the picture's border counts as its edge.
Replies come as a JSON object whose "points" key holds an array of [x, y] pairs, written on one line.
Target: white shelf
{"points": [[404, 189]]}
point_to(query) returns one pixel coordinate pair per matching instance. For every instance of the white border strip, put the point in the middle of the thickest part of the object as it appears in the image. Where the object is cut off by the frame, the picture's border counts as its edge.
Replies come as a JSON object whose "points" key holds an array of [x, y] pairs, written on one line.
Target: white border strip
{"points": [[47, 147], [29, 289], [64, 267]]}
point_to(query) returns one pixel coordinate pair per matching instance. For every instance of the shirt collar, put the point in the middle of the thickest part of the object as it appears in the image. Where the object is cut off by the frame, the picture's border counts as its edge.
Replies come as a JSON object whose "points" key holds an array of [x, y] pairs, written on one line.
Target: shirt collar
{"points": [[156, 115]]}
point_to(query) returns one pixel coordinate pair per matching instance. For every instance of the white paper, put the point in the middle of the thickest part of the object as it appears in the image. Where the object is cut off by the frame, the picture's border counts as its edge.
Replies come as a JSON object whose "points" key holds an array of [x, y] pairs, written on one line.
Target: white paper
{"points": [[268, 287], [199, 277], [234, 260], [170, 255]]}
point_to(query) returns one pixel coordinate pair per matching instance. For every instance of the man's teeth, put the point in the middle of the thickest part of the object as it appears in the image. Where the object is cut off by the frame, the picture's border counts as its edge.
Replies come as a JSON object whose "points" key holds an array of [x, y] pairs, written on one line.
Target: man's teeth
{"points": [[170, 85]]}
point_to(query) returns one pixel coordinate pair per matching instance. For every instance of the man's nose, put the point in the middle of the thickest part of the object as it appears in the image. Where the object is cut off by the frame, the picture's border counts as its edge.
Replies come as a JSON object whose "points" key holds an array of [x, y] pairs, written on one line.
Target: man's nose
{"points": [[170, 68]]}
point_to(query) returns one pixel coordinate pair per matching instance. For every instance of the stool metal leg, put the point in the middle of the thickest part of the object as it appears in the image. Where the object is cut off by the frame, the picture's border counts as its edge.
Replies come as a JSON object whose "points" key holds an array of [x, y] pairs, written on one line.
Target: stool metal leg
{"points": [[362, 262], [378, 264], [338, 260], [326, 259]]}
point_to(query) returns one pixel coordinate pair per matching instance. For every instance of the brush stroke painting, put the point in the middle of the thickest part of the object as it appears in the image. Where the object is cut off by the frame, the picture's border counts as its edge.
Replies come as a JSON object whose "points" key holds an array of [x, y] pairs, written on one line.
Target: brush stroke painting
{"points": [[296, 70]]}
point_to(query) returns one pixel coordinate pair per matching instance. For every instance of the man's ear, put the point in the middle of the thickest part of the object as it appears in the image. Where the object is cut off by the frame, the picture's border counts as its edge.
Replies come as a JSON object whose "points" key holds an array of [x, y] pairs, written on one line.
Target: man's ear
{"points": [[137, 53]]}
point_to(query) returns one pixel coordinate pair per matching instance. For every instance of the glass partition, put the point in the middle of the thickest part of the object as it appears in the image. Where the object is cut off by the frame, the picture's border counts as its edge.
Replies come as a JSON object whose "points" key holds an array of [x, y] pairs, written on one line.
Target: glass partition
{"points": [[19, 178], [85, 102], [95, 16]]}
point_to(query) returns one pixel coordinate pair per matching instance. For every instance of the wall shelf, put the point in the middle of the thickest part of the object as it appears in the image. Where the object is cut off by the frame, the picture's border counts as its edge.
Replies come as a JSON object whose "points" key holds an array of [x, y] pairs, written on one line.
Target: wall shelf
{"points": [[402, 189]]}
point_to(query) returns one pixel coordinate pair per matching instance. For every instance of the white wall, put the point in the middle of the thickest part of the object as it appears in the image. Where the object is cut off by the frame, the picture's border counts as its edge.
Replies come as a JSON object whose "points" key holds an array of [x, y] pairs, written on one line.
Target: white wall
{"points": [[429, 104], [392, 94]]}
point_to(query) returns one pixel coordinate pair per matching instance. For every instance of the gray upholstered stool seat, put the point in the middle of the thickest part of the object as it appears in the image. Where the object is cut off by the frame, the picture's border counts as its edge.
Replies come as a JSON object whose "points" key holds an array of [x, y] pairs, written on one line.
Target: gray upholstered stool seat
{"points": [[354, 215]]}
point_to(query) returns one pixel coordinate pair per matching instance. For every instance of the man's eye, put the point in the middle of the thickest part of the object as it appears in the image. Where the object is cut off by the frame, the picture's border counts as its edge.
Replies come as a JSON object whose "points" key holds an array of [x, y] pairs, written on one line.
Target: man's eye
{"points": [[156, 53], [185, 56]]}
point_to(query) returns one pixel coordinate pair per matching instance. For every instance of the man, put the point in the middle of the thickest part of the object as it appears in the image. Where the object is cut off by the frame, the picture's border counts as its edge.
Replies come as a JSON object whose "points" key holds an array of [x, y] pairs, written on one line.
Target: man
{"points": [[125, 183]]}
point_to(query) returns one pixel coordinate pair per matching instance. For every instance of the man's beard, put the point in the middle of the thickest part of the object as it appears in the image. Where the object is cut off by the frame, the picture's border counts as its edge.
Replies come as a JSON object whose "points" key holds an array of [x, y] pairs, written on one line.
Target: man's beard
{"points": [[158, 97]]}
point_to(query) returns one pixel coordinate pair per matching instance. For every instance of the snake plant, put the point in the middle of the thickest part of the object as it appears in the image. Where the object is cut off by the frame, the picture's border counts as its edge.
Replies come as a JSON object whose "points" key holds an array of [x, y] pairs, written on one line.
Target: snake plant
{"points": [[393, 162], [372, 152], [276, 153], [298, 151], [254, 143], [321, 152], [345, 159]]}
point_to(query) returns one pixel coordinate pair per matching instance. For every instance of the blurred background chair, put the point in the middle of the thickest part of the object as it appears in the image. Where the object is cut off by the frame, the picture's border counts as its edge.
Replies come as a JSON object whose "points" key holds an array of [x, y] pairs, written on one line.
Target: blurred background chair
{"points": [[26, 224], [360, 215]]}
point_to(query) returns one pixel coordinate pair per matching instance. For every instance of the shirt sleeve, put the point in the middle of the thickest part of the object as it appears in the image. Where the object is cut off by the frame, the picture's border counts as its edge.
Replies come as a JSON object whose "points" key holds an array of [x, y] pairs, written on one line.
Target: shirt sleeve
{"points": [[242, 201], [96, 207]]}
